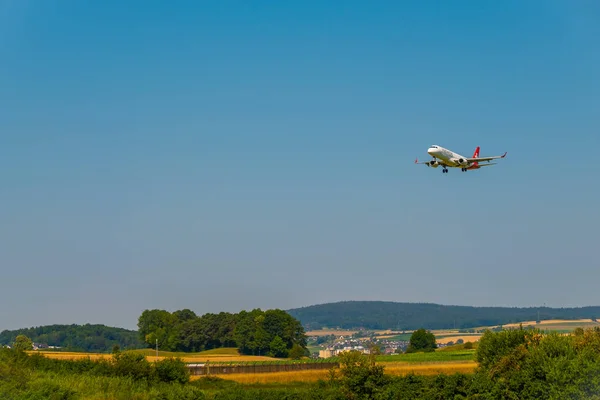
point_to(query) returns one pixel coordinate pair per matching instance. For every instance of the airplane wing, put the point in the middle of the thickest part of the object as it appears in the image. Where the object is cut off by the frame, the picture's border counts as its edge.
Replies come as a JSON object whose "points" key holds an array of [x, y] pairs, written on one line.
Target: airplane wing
{"points": [[486, 165], [486, 158], [438, 162]]}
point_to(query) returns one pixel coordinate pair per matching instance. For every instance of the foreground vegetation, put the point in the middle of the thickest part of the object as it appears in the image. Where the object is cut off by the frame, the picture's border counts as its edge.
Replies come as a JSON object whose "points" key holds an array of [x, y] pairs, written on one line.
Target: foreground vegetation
{"points": [[511, 364]]}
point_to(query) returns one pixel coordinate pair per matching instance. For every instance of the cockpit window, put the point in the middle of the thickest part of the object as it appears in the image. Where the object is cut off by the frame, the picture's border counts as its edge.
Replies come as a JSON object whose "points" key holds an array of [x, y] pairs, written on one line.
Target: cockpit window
{"points": [[433, 146]]}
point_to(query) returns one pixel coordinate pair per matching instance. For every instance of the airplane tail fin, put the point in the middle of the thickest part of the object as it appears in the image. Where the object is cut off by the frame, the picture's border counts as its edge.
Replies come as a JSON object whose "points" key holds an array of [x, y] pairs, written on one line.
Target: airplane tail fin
{"points": [[476, 155]]}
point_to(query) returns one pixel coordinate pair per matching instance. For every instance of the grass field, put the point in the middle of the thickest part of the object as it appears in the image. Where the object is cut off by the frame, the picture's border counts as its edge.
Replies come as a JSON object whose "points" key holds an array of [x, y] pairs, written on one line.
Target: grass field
{"points": [[315, 349], [434, 356], [458, 347], [402, 336], [327, 332]]}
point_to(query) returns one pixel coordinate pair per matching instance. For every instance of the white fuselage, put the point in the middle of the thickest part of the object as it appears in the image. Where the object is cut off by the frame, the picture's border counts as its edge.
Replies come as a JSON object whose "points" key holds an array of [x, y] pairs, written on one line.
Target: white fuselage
{"points": [[448, 156]]}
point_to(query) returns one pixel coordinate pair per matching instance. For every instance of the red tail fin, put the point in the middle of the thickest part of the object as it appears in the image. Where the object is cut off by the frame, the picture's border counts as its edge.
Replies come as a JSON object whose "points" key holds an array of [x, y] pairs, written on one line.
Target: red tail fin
{"points": [[476, 155]]}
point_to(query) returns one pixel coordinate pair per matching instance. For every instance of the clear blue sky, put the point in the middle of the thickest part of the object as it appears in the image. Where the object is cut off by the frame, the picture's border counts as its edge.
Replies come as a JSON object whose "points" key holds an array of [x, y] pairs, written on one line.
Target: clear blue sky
{"points": [[227, 155]]}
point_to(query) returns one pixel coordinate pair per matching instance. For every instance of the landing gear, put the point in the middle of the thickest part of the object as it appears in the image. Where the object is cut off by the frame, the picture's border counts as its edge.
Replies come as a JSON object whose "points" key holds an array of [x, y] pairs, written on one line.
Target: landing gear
{"points": [[445, 170], [463, 169]]}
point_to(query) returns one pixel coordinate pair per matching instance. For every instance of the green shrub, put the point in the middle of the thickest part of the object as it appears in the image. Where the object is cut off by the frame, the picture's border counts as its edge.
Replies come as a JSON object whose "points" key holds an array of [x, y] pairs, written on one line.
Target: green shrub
{"points": [[172, 370], [133, 365]]}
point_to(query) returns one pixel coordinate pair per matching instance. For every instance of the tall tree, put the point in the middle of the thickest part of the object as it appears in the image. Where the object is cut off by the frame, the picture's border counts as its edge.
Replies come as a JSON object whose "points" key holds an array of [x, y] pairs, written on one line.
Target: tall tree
{"points": [[156, 325], [421, 340], [22, 343]]}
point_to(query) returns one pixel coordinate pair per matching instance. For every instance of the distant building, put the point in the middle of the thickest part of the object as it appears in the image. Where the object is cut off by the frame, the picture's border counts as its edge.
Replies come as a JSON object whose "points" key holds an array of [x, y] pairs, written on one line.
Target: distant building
{"points": [[332, 352]]}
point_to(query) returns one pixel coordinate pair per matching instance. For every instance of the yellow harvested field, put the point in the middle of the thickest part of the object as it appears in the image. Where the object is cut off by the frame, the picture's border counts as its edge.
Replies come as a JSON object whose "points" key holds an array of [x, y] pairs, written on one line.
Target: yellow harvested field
{"points": [[274, 377], [385, 332], [191, 358], [66, 355], [465, 338], [203, 358], [570, 323], [314, 375], [430, 368]]}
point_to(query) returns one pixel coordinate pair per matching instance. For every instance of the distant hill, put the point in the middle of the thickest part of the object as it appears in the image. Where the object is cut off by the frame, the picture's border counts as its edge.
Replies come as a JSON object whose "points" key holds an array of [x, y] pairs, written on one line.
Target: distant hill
{"points": [[409, 316], [87, 338]]}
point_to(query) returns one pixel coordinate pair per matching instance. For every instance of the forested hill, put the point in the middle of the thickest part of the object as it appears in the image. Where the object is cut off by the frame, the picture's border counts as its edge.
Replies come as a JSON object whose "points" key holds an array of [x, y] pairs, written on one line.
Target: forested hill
{"points": [[408, 316], [88, 338]]}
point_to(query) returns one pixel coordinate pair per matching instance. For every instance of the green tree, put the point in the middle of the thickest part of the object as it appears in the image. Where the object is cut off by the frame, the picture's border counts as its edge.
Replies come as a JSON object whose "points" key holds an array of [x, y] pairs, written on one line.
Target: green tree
{"points": [[22, 343], [172, 370], [243, 332], [361, 377], [530, 364], [158, 324], [493, 346], [421, 340], [133, 365], [277, 347], [251, 332], [297, 352], [261, 336]]}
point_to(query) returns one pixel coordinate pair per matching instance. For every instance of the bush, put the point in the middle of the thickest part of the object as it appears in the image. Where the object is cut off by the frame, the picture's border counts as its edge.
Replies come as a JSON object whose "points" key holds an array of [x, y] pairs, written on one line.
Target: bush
{"points": [[361, 377], [133, 365], [296, 352], [172, 370]]}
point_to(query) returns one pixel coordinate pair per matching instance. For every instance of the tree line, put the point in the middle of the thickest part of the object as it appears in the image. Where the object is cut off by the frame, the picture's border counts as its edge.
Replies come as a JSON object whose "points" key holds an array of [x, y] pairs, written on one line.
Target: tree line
{"points": [[87, 338], [411, 316], [272, 332]]}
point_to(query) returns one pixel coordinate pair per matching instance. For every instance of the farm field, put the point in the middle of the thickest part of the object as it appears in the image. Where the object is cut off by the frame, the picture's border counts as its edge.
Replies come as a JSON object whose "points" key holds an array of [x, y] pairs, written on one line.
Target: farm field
{"points": [[466, 337], [545, 325], [391, 368], [432, 357], [327, 332], [396, 336], [216, 355], [418, 363], [557, 324], [70, 355]]}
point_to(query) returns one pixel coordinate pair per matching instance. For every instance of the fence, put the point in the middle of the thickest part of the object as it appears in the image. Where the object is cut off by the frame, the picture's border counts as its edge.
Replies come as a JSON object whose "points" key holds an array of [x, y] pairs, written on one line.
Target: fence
{"points": [[215, 369]]}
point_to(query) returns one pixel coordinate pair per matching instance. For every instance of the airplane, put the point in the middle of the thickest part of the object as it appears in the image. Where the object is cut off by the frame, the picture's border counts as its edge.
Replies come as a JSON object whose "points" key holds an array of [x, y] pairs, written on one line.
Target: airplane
{"points": [[447, 158]]}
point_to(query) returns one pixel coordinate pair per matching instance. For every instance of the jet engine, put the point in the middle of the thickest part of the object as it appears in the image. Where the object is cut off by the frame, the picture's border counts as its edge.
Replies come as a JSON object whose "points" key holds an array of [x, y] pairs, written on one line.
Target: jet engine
{"points": [[462, 162], [433, 164]]}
